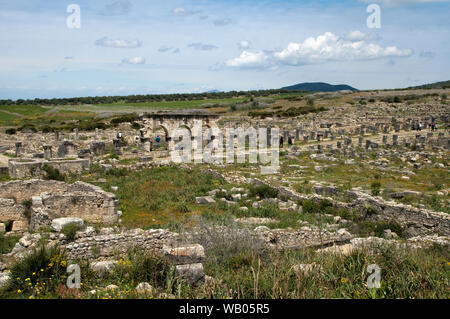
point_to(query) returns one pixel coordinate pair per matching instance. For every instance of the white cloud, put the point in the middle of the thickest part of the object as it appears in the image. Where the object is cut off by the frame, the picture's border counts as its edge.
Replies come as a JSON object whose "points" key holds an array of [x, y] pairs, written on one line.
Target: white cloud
{"points": [[324, 48], [182, 12], [250, 60], [135, 60], [243, 45], [360, 36], [393, 3], [117, 43], [202, 46]]}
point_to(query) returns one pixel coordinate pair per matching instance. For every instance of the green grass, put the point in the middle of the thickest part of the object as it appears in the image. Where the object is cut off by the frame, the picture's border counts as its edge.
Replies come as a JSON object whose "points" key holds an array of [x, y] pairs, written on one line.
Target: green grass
{"points": [[7, 243], [122, 106], [154, 198], [26, 110]]}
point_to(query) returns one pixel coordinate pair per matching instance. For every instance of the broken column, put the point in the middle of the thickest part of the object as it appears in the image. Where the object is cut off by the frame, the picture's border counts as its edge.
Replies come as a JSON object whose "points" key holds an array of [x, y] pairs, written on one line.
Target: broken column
{"points": [[19, 149], [47, 151]]}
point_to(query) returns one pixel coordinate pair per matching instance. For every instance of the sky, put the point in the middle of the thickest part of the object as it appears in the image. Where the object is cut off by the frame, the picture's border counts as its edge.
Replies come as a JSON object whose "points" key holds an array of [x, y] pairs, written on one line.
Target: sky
{"points": [[123, 47]]}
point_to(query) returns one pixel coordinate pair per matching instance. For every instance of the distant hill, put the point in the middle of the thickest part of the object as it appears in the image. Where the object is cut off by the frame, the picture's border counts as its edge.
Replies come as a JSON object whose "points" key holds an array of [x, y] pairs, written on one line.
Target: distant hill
{"points": [[318, 87], [436, 85]]}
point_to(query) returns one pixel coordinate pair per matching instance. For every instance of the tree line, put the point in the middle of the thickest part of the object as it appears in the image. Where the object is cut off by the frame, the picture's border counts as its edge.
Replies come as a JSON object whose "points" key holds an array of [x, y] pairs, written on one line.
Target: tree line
{"points": [[141, 98]]}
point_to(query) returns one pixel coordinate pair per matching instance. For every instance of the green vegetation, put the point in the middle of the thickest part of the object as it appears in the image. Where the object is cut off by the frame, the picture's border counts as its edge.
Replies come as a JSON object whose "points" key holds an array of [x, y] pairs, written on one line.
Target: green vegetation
{"points": [[70, 231], [53, 173], [7, 243]]}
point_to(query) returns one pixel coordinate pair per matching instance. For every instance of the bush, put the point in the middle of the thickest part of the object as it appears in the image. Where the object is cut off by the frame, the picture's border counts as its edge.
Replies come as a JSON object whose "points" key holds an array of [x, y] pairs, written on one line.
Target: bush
{"points": [[135, 126], [125, 118], [263, 191], [48, 129], [143, 267], [39, 271], [375, 187], [70, 231], [53, 173], [10, 131], [7, 243]]}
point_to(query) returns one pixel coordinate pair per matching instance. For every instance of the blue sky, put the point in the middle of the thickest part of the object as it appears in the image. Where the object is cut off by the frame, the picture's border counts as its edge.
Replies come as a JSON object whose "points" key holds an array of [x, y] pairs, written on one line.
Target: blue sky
{"points": [[152, 46]]}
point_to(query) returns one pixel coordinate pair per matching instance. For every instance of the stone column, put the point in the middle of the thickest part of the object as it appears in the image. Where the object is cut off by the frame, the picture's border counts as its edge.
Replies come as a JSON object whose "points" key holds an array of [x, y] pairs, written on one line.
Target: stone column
{"points": [[18, 149], [47, 152], [394, 139], [116, 147]]}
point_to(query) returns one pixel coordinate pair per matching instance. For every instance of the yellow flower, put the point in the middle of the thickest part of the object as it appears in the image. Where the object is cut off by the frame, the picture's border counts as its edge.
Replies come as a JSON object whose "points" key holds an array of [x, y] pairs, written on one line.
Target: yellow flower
{"points": [[344, 280], [19, 291]]}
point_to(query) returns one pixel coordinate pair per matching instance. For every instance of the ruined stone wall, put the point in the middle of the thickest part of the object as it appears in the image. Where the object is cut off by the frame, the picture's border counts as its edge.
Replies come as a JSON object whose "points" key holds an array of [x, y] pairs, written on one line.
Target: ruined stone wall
{"points": [[414, 221], [106, 246], [24, 190], [53, 199], [26, 168]]}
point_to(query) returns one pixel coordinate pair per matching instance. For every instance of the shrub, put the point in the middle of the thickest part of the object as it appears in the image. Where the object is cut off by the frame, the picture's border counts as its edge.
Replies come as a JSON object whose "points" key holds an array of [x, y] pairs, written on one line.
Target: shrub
{"points": [[53, 173], [375, 187], [143, 267], [10, 131], [69, 231], [7, 243], [28, 127], [48, 129], [263, 191], [39, 271], [27, 212], [135, 126], [125, 118]]}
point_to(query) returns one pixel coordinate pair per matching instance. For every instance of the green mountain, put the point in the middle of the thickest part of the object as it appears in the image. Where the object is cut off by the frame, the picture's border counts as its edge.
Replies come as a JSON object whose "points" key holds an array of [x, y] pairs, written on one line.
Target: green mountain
{"points": [[436, 85], [318, 87]]}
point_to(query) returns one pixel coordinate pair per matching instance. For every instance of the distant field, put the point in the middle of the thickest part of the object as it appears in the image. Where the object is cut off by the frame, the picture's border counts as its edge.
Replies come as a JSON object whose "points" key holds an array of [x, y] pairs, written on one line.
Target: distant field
{"points": [[27, 110], [175, 104]]}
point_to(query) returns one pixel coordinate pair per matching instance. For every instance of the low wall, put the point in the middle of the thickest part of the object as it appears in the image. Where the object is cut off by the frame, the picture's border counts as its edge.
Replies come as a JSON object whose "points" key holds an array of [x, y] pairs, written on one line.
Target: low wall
{"points": [[53, 199], [26, 168]]}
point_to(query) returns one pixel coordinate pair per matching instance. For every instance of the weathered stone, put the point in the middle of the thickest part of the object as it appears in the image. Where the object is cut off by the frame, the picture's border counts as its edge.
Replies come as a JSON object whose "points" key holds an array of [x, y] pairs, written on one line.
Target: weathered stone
{"points": [[207, 200], [144, 288], [192, 273], [59, 223], [103, 267], [186, 254]]}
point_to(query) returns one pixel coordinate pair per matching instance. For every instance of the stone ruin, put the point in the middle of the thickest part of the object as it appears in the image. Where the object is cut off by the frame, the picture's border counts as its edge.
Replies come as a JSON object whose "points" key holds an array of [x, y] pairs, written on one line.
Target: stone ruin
{"points": [[35, 203]]}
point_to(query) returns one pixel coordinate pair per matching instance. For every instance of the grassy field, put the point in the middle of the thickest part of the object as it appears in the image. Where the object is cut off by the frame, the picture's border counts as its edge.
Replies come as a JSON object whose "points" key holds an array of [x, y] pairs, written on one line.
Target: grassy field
{"points": [[241, 268]]}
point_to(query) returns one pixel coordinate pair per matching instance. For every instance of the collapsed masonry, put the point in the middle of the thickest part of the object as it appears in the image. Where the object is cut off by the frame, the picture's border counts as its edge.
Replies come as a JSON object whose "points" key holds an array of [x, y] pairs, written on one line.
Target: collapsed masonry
{"points": [[34, 203]]}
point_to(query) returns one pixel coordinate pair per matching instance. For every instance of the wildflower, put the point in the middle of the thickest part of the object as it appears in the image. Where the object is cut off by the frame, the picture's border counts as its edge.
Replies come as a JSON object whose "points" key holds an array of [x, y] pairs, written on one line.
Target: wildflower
{"points": [[344, 280], [19, 291]]}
